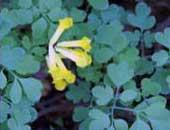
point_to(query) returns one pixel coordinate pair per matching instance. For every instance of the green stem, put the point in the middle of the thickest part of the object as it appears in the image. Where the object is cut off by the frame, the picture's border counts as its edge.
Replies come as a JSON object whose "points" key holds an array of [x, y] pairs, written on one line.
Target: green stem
{"points": [[124, 109], [114, 104]]}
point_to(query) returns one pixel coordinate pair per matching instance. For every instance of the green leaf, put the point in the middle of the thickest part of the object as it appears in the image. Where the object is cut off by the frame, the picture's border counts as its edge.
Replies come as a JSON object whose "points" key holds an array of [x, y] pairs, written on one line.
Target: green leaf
{"points": [[100, 4], [91, 73], [77, 15], [158, 116], [160, 58], [57, 13], [102, 94], [140, 125], [142, 19], [150, 87], [85, 124], [18, 17], [4, 110], [9, 40], [15, 92], [45, 5], [128, 95], [25, 3], [160, 77], [130, 55], [79, 93], [73, 3], [102, 54], [3, 80], [25, 63], [32, 88], [53, 3], [80, 114], [39, 51], [22, 115], [111, 128], [26, 43], [14, 56], [39, 29], [168, 80], [133, 37], [112, 35], [156, 99], [120, 124], [163, 38], [12, 125], [149, 39], [100, 120], [144, 66], [113, 12], [115, 73]]}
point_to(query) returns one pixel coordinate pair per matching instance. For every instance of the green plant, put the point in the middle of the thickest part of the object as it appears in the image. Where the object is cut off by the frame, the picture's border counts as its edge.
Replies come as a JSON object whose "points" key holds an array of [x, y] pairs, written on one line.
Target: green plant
{"points": [[124, 88]]}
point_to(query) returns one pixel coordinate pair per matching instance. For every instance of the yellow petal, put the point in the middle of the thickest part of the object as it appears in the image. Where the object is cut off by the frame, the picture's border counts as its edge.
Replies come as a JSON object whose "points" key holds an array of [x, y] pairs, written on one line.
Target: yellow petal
{"points": [[68, 75], [84, 43], [81, 58], [60, 85], [66, 23]]}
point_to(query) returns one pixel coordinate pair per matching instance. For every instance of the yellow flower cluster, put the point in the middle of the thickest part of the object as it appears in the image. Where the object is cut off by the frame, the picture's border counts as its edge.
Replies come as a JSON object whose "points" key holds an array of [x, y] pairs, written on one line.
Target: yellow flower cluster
{"points": [[76, 50]]}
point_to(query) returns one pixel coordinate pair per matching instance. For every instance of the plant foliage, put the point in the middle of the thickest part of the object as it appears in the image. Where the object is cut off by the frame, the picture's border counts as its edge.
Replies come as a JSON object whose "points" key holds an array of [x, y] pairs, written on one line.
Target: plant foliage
{"points": [[122, 80]]}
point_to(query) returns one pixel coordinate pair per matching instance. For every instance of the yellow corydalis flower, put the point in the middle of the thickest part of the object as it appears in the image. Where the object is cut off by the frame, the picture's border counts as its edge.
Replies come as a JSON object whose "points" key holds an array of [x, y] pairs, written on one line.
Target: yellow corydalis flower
{"points": [[81, 58], [84, 43], [76, 50], [61, 76], [64, 24]]}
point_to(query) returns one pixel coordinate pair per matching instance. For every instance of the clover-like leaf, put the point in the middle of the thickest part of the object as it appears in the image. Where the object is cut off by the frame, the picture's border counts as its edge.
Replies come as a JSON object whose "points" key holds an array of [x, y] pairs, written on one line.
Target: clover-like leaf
{"points": [[80, 114], [120, 124], [45, 6], [160, 77], [142, 19], [13, 125], [14, 56], [39, 29], [4, 110], [168, 80], [25, 3], [3, 80], [57, 13], [156, 99], [79, 93], [112, 35], [113, 12], [128, 95], [99, 121], [163, 38], [144, 66], [77, 15], [140, 125], [130, 55], [100, 4], [32, 88], [150, 87], [91, 73], [28, 65], [120, 74], [102, 54], [159, 116], [15, 92], [149, 39], [133, 37], [160, 58], [102, 94]]}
